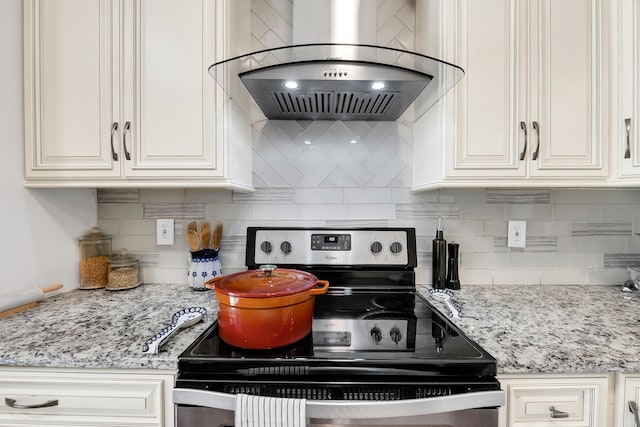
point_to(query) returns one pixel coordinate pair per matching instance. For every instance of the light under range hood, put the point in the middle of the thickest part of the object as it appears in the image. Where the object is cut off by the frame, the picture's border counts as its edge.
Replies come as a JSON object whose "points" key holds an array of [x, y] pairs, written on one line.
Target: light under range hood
{"points": [[336, 81]]}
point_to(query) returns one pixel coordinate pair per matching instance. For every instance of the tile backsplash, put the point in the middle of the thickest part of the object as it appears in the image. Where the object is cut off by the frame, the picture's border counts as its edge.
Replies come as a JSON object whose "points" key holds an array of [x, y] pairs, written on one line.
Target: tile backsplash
{"points": [[334, 174], [573, 236]]}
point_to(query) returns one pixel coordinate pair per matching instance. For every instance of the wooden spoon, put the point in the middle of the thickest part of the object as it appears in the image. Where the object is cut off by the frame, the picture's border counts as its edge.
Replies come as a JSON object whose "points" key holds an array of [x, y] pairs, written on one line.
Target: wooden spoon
{"points": [[217, 236], [205, 234], [193, 240]]}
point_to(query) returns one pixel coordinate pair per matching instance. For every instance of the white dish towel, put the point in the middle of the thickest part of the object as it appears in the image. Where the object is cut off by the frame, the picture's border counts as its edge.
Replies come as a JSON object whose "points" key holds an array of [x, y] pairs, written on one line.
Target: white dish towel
{"points": [[263, 411]]}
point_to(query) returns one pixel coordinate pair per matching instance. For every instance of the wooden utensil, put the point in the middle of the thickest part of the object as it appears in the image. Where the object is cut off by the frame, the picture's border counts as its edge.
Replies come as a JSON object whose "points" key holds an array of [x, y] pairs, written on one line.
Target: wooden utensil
{"points": [[217, 236], [205, 235], [15, 302], [193, 240]]}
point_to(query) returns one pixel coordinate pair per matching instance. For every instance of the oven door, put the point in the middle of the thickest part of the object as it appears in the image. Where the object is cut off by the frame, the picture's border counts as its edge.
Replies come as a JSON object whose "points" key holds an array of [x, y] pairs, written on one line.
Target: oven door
{"points": [[197, 408]]}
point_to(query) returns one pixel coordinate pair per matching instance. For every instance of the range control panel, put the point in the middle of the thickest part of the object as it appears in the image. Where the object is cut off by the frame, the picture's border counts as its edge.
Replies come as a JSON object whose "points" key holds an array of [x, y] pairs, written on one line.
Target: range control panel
{"points": [[385, 247]]}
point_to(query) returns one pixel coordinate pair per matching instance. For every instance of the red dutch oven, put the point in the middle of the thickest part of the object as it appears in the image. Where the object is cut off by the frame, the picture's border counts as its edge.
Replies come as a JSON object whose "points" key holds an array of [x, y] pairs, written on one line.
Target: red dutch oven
{"points": [[267, 308]]}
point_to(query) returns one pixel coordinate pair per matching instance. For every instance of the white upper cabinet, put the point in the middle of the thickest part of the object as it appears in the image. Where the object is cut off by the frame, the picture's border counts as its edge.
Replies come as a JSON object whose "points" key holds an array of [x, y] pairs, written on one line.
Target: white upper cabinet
{"points": [[531, 109], [626, 103], [117, 93]]}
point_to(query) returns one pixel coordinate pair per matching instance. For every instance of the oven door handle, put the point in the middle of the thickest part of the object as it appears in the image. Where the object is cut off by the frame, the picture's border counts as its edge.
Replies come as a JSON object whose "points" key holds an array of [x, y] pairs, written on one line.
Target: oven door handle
{"points": [[347, 409]]}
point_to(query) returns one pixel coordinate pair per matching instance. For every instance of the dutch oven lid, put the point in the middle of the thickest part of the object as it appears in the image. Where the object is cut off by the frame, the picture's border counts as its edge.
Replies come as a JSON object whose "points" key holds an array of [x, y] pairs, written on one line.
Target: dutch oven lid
{"points": [[268, 281]]}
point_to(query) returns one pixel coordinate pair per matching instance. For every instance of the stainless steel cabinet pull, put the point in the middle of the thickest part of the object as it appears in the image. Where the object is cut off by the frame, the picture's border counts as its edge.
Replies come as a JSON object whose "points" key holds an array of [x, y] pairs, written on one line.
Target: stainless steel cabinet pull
{"points": [[633, 407], [523, 126], [114, 128], [127, 127], [12, 404], [627, 151], [537, 129], [557, 414]]}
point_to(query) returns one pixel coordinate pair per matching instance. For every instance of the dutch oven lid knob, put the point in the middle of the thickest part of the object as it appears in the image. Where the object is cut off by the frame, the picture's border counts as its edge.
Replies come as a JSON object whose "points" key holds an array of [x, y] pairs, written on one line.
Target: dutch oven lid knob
{"points": [[267, 269]]}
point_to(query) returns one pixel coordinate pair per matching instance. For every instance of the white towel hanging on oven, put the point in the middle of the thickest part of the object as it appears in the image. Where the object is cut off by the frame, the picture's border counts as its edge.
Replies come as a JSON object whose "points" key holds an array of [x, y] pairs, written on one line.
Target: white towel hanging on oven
{"points": [[263, 411]]}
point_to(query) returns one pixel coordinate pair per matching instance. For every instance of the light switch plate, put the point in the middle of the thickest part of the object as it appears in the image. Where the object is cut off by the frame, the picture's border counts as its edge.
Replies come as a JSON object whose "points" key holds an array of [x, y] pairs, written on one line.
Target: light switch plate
{"points": [[165, 233], [517, 234]]}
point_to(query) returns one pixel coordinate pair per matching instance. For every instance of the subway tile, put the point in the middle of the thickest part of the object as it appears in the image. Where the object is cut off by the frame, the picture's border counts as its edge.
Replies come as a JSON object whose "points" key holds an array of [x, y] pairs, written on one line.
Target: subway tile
{"points": [[220, 212], [601, 228], [120, 211], [266, 195], [109, 226], [470, 277], [371, 211], [481, 211], [621, 260], [367, 195], [517, 276], [577, 212], [624, 197], [528, 197], [357, 222], [405, 195], [573, 196], [424, 211], [138, 227], [134, 243], [533, 244], [563, 276], [162, 195], [125, 195], [593, 244], [455, 195], [609, 276], [528, 212], [319, 195], [208, 196], [174, 210]]}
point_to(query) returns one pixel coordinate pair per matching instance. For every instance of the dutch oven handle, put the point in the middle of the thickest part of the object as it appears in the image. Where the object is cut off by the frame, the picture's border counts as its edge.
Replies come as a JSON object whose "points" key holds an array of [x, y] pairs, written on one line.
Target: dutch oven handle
{"points": [[211, 283], [322, 290]]}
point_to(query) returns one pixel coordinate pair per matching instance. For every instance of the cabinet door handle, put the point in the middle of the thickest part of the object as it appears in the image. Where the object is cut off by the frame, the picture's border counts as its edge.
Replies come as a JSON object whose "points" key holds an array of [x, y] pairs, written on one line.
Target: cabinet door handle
{"points": [[12, 404], [557, 414], [523, 126], [114, 128], [633, 408], [127, 126], [537, 129], [627, 151]]}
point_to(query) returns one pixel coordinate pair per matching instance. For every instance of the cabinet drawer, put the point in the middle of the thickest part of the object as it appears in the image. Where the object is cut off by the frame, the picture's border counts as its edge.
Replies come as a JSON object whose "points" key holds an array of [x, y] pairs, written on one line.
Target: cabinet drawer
{"points": [[576, 402], [82, 399]]}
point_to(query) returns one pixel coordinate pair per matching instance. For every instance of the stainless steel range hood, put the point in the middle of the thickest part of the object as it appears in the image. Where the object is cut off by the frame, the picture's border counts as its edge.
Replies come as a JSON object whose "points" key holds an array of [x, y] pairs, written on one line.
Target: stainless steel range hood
{"points": [[336, 81]]}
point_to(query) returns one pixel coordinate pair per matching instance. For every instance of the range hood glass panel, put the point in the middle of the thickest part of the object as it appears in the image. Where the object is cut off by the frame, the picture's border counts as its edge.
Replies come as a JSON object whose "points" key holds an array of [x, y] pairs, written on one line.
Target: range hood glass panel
{"points": [[439, 76]]}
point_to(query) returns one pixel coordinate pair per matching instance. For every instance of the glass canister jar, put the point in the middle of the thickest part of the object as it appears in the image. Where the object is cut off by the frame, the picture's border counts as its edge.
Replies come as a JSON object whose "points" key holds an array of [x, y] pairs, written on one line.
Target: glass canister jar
{"points": [[95, 250], [123, 271]]}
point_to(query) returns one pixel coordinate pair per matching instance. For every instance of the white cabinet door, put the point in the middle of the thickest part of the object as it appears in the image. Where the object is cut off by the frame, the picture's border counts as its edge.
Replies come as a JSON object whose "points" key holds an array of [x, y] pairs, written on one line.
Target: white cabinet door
{"points": [[548, 400], [626, 77], [532, 107], [627, 391], [169, 99], [568, 89], [490, 98], [71, 88]]}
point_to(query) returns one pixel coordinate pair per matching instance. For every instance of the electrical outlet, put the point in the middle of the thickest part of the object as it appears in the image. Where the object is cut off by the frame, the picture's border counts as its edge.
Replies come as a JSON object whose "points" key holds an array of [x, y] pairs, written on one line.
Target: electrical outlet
{"points": [[517, 234], [164, 230]]}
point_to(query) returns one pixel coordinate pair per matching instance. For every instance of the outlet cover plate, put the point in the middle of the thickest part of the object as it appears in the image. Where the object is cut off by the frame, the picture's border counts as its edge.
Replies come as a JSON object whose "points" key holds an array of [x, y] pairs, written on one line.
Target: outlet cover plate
{"points": [[165, 232], [517, 234]]}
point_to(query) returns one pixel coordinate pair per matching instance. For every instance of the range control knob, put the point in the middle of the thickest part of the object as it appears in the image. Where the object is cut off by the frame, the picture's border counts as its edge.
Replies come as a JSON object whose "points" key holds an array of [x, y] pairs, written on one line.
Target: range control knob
{"points": [[376, 334], [266, 247], [396, 335], [396, 248], [285, 247], [376, 247]]}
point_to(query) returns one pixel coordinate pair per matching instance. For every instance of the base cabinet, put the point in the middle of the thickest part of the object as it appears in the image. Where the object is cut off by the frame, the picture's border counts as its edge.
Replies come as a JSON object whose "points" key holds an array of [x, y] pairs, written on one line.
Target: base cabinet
{"points": [[68, 397], [627, 392], [568, 401]]}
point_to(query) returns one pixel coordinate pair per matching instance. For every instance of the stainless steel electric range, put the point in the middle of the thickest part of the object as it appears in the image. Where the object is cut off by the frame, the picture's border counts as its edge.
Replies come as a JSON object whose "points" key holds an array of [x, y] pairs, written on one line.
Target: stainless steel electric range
{"points": [[378, 353]]}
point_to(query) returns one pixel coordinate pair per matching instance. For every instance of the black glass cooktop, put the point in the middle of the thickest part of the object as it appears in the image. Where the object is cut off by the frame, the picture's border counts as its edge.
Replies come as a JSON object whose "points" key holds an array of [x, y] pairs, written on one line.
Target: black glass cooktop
{"points": [[363, 334]]}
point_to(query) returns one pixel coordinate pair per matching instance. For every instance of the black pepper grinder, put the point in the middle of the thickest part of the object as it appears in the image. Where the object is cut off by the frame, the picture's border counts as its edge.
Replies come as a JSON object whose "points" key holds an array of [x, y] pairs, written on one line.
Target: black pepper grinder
{"points": [[439, 259], [453, 280]]}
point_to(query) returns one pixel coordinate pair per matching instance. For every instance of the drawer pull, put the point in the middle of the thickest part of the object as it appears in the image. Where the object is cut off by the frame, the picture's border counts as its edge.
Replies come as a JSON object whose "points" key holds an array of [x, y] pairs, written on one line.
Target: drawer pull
{"points": [[12, 404], [627, 151], [537, 129], [523, 126], [114, 128], [633, 408], [557, 414]]}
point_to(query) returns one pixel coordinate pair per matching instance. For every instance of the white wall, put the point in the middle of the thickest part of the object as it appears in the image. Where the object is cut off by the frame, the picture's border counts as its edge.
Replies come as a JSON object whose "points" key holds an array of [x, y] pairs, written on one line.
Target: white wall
{"points": [[38, 243]]}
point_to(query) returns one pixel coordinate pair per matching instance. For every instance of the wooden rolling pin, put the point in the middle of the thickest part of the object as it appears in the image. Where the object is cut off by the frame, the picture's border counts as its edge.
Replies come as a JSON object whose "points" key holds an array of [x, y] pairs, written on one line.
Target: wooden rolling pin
{"points": [[17, 301]]}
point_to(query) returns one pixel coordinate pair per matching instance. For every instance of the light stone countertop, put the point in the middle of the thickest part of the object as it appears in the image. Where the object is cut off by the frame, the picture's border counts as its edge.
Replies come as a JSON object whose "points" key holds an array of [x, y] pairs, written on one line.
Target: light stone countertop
{"points": [[552, 329], [528, 329], [102, 329]]}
